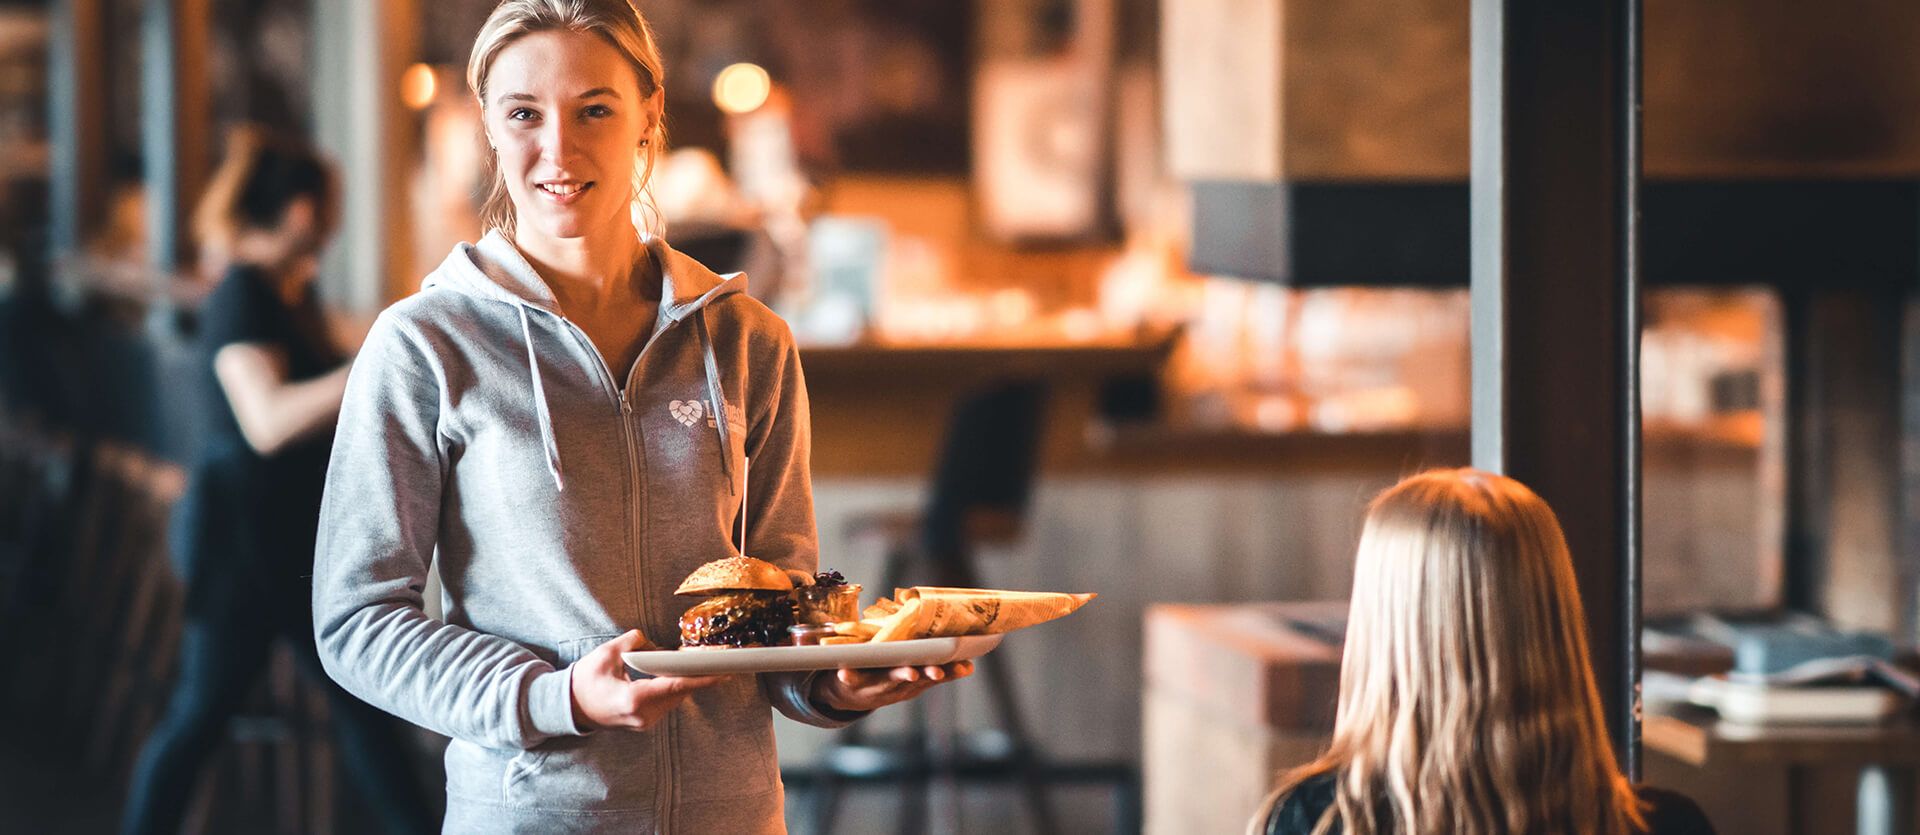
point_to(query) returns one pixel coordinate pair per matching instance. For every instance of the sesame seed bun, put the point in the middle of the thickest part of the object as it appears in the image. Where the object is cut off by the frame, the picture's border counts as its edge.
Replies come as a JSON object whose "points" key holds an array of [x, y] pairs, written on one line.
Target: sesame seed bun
{"points": [[735, 574]]}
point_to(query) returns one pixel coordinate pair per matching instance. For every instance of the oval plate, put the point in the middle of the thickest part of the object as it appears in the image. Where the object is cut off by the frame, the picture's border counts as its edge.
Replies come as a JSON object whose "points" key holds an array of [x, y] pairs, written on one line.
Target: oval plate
{"points": [[922, 652]]}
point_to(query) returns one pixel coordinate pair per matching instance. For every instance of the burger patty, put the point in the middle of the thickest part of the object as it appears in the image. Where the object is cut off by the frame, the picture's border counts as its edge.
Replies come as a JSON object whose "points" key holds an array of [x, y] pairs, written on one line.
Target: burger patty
{"points": [[744, 619]]}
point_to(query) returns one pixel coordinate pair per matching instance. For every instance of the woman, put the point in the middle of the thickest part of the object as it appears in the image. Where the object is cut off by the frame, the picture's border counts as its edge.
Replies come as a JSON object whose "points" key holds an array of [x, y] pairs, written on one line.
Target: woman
{"points": [[1467, 704], [563, 416], [244, 533]]}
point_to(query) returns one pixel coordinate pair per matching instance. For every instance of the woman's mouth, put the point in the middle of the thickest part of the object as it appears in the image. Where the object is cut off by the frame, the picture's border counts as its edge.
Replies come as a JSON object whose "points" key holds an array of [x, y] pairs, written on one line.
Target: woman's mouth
{"points": [[564, 192]]}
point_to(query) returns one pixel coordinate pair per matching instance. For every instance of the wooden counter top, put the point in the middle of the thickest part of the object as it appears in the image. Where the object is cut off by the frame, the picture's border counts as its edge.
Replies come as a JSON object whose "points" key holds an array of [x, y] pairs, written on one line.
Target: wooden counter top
{"points": [[1697, 737], [960, 363], [1253, 663]]}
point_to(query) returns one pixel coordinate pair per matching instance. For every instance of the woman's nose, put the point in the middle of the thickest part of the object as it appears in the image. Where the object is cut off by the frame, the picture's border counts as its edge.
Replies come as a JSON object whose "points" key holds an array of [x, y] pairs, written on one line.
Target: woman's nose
{"points": [[556, 141]]}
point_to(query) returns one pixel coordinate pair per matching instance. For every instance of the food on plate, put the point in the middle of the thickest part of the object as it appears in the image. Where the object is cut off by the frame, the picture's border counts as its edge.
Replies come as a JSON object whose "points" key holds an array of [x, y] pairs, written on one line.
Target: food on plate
{"points": [[736, 574], [749, 604], [827, 598], [754, 603], [938, 612], [856, 629], [809, 634]]}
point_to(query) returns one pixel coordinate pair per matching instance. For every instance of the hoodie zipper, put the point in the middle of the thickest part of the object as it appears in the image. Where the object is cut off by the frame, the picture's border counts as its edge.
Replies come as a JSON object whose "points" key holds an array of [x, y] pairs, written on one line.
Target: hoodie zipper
{"points": [[663, 755], [662, 759]]}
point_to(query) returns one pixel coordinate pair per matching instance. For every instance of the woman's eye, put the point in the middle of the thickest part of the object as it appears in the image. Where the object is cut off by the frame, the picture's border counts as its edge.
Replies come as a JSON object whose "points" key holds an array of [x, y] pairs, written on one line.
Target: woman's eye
{"points": [[598, 111], [520, 114]]}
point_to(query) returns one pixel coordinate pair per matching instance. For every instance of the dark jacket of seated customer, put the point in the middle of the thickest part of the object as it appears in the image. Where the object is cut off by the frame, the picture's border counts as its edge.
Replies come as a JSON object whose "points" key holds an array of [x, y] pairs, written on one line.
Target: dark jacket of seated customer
{"points": [[1667, 813]]}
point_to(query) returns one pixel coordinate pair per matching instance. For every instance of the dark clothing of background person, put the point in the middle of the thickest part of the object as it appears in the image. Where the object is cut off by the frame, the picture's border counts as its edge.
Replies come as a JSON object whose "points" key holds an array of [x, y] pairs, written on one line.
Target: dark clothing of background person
{"points": [[1668, 813], [243, 538], [247, 525]]}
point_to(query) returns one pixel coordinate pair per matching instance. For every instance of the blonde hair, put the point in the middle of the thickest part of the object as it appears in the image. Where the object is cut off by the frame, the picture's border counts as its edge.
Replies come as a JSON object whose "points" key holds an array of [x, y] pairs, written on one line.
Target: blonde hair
{"points": [[1467, 698], [619, 24]]}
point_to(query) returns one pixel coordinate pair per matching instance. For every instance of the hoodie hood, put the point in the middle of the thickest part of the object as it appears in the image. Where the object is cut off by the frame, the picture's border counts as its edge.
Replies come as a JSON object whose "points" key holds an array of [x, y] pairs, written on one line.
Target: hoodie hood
{"points": [[494, 269]]}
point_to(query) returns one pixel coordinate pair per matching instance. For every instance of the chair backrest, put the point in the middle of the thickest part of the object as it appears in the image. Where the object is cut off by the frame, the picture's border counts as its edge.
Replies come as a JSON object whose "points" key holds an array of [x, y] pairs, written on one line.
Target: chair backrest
{"points": [[986, 464]]}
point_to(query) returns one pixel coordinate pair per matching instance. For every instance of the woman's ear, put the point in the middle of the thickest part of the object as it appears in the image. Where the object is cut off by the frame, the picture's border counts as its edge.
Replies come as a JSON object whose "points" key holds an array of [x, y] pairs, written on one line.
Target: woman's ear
{"points": [[656, 110], [301, 217]]}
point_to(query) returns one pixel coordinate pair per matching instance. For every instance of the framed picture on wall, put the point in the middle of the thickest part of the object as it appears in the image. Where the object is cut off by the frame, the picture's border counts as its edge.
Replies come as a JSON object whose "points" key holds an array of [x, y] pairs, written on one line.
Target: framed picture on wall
{"points": [[1043, 115]]}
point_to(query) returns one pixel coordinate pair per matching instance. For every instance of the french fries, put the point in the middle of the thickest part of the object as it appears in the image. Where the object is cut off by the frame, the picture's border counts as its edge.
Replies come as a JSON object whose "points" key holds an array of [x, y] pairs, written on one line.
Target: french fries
{"points": [[927, 611], [857, 628]]}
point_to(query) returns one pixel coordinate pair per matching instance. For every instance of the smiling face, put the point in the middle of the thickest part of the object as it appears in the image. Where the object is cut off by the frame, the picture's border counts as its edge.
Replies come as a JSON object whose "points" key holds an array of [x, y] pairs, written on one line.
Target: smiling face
{"points": [[566, 116]]}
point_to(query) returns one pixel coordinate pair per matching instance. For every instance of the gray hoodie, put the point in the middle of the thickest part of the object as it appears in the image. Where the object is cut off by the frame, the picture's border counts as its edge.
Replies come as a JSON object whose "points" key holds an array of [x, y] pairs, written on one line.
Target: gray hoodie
{"points": [[481, 426]]}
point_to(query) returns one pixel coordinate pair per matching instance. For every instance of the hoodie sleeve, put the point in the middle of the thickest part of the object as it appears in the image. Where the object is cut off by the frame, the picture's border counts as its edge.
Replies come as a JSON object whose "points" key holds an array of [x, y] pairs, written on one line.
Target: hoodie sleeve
{"points": [[780, 525], [379, 523]]}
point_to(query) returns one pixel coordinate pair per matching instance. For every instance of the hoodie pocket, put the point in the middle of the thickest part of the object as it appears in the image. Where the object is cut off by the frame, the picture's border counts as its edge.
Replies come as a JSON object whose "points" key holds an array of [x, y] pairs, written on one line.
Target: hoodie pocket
{"points": [[724, 744], [607, 770]]}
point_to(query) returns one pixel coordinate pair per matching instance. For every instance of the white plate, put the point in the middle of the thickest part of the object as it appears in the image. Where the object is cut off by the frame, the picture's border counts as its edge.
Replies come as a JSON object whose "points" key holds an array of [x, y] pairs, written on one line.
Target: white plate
{"points": [[923, 652]]}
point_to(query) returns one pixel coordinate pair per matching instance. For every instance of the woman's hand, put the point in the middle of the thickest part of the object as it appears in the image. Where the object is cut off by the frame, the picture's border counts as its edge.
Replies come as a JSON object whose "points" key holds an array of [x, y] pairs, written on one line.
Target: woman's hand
{"points": [[604, 697], [861, 690]]}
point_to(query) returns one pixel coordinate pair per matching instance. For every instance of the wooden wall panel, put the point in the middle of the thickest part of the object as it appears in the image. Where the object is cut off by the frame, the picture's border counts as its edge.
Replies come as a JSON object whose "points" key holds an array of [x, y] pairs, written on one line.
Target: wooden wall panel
{"points": [[1377, 89]]}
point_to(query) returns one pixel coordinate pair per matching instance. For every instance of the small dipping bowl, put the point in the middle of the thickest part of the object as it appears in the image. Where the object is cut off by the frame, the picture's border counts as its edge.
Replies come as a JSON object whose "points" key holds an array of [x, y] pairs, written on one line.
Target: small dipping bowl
{"points": [[829, 604], [809, 634]]}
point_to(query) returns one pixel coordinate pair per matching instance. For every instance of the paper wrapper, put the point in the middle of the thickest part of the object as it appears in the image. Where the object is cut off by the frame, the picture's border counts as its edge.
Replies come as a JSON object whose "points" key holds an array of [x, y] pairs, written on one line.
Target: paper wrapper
{"points": [[936, 612]]}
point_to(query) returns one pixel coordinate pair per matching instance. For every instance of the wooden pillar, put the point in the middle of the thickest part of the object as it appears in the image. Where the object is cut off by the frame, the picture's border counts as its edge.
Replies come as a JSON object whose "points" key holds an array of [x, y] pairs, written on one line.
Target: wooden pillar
{"points": [[1849, 424], [175, 111], [1909, 489], [361, 48], [1555, 289], [76, 121]]}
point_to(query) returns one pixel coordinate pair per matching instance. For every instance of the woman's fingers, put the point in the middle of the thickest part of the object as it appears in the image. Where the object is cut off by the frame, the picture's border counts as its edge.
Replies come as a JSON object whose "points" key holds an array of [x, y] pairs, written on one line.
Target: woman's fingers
{"points": [[680, 684], [604, 696], [905, 675], [651, 699]]}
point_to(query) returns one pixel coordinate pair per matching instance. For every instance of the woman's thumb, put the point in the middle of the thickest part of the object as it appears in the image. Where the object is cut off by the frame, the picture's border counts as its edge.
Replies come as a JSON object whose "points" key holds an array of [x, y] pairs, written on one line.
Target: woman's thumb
{"points": [[632, 641]]}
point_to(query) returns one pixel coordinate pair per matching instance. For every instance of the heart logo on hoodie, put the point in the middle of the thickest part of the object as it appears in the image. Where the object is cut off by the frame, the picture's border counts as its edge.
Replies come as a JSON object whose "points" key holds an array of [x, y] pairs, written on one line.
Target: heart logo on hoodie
{"points": [[686, 411]]}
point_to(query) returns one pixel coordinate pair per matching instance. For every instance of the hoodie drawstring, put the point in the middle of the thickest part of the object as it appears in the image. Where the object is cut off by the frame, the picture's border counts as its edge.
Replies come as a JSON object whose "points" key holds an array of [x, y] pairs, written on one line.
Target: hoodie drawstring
{"points": [[544, 415], [718, 397]]}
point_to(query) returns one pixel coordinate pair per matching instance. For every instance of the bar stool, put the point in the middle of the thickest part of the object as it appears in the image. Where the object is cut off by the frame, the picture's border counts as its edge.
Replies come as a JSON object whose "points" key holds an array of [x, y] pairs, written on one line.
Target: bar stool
{"points": [[979, 496]]}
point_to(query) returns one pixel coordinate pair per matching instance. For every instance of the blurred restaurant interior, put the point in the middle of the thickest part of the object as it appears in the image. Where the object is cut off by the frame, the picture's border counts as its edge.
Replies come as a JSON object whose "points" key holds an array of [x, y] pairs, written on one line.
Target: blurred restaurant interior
{"points": [[1223, 254]]}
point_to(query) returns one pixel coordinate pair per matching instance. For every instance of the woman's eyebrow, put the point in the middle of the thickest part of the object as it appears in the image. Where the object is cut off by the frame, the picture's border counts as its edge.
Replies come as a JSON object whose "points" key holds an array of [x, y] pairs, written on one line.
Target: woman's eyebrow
{"points": [[597, 91]]}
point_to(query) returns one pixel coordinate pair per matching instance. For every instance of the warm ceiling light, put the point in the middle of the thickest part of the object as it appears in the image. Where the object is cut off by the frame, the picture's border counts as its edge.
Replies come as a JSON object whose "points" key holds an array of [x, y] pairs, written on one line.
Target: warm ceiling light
{"points": [[417, 86], [741, 88]]}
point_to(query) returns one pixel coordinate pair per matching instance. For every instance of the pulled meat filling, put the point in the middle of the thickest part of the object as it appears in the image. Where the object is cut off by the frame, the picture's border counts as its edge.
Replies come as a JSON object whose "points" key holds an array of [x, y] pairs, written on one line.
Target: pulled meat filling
{"points": [[744, 619]]}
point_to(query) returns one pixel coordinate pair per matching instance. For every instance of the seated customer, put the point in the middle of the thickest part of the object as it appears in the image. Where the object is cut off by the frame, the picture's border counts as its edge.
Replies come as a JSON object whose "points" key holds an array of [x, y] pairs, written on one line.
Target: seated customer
{"points": [[1467, 704]]}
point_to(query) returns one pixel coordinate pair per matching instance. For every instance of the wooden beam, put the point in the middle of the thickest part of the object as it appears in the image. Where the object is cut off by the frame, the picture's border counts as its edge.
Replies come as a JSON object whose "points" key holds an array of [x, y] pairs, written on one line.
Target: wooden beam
{"points": [[1555, 296], [76, 121], [175, 112]]}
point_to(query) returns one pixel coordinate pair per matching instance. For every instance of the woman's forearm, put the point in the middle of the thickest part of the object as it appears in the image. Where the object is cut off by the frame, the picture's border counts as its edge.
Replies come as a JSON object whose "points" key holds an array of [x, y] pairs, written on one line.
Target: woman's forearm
{"points": [[272, 412]]}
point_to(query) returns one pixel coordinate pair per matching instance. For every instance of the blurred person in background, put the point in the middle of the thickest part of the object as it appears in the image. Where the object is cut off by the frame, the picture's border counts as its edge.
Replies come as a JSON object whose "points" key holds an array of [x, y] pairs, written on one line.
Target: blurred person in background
{"points": [[562, 417], [243, 535], [1467, 698]]}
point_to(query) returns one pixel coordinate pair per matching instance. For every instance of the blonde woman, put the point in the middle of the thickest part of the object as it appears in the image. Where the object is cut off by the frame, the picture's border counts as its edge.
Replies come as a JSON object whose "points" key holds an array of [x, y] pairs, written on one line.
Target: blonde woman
{"points": [[1467, 704], [561, 418]]}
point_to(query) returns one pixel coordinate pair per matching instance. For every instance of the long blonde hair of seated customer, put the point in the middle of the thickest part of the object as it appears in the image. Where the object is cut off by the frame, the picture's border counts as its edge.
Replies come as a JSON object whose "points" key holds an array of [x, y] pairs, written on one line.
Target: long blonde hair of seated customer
{"points": [[1467, 698]]}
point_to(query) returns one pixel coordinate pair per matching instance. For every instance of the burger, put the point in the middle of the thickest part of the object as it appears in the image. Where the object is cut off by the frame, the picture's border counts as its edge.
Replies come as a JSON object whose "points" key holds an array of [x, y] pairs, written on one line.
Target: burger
{"points": [[749, 603]]}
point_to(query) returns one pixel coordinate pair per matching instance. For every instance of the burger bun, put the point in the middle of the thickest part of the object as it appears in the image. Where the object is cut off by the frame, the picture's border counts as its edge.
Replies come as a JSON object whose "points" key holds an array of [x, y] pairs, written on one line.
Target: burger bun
{"points": [[735, 574]]}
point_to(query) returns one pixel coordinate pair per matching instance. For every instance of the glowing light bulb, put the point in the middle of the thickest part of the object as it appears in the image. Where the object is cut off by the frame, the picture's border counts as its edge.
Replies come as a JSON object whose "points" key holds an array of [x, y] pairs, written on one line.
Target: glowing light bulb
{"points": [[418, 85], [741, 88]]}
